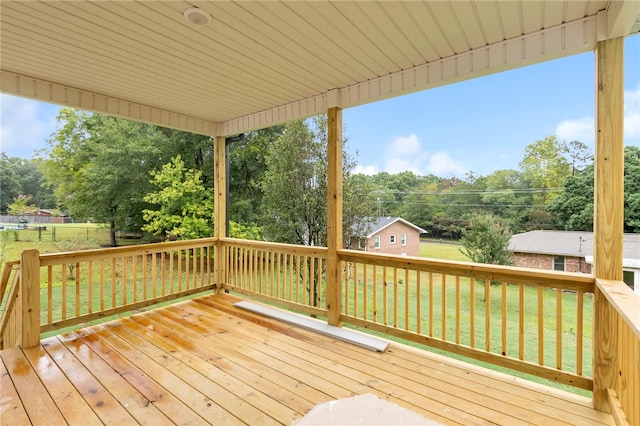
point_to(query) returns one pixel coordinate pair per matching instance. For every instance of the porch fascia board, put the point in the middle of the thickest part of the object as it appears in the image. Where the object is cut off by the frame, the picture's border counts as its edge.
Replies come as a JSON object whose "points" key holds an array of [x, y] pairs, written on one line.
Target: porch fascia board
{"points": [[25, 86]]}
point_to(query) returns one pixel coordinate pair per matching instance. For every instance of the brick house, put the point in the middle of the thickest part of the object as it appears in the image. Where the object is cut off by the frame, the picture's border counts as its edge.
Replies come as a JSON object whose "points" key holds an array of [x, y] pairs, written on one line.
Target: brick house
{"points": [[571, 251], [390, 235]]}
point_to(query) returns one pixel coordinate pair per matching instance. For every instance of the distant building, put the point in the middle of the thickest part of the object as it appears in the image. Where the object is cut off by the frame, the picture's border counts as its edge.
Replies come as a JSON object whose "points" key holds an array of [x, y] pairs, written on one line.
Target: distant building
{"points": [[572, 251], [390, 235]]}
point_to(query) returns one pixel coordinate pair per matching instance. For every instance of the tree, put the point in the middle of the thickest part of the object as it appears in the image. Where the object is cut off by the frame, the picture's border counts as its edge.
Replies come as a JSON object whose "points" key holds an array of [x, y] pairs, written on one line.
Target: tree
{"points": [[546, 167], [182, 207], [99, 165], [10, 186], [295, 187], [573, 209], [247, 165], [486, 240], [21, 206]]}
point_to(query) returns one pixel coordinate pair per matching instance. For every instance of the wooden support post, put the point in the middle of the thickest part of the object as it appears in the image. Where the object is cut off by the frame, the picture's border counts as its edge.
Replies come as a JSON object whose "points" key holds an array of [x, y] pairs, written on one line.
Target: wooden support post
{"points": [[29, 298], [608, 211], [334, 216], [220, 209]]}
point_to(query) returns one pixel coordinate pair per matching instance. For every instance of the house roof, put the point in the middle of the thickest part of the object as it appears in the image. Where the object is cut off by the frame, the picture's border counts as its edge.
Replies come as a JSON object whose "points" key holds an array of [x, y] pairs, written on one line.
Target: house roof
{"points": [[386, 221], [258, 63], [570, 243]]}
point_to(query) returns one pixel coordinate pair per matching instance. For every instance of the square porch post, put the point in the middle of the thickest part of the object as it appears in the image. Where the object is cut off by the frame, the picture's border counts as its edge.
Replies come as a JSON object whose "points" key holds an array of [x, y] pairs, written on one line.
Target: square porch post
{"points": [[608, 210], [220, 209], [334, 215], [29, 298]]}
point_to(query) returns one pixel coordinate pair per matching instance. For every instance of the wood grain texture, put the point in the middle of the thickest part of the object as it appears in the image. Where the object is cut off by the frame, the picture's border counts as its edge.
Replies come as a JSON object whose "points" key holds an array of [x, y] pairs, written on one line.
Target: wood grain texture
{"points": [[206, 362]]}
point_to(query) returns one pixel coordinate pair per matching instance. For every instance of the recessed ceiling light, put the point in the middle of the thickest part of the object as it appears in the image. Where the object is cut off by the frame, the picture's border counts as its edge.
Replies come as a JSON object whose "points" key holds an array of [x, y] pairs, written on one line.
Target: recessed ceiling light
{"points": [[197, 16]]}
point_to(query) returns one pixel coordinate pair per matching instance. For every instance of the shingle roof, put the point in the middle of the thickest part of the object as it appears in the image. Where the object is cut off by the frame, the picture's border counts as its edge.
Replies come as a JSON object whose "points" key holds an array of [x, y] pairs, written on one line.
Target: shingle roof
{"points": [[385, 221], [568, 243]]}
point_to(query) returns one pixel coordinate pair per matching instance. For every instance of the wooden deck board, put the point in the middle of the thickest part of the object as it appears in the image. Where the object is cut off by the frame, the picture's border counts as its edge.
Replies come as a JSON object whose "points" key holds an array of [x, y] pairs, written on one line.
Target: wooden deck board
{"points": [[204, 361]]}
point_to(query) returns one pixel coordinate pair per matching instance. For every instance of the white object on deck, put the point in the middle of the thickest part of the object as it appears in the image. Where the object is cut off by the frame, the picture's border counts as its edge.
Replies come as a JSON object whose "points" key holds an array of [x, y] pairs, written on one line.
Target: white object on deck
{"points": [[344, 334], [364, 409]]}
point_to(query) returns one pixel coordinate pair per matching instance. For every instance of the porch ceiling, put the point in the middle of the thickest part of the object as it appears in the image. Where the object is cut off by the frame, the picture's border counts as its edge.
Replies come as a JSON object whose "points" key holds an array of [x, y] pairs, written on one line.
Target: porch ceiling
{"points": [[261, 63]]}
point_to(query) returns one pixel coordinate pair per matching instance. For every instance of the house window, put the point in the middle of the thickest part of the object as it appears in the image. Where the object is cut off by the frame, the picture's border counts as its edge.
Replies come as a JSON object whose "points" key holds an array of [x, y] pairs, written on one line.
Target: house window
{"points": [[393, 239], [403, 239], [558, 263], [361, 243], [629, 278], [376, 242]]}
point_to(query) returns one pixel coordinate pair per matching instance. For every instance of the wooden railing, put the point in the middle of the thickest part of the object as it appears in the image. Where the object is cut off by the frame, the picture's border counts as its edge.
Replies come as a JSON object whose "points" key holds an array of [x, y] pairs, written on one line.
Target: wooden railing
{"points": [[617, 352], [78, 287], [288, 275], [528, 320], [537, 322], [11, 312]]}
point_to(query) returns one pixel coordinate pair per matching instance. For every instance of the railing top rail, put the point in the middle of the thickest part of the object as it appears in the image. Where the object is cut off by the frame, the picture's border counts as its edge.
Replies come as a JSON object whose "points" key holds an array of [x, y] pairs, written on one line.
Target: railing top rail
{"points": [[624, 300], [264, 245], [111, 252], [565, 280]]}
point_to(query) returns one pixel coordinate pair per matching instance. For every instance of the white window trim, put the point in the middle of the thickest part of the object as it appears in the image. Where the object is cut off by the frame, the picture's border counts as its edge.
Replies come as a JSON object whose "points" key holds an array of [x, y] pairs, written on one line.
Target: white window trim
{"points": [[376, 242], [403, 240], [392, 239]]}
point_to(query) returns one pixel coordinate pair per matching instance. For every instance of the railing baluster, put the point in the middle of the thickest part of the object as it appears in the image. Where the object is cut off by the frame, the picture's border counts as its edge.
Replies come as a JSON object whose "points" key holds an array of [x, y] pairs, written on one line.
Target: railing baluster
{"points": [[504, 317], [487, 315], [431, 304], [472, 314], [90, 286], [406, 299], [375, 293], [384, 296], [540, 326], [458, 309], [134, 277], [559, 328], [521, 330], [64, 291], [49, 293], [355, 289], [395, 297], [579, 331], [76, 277], [443, 319], [418, 303], [365, 295]]}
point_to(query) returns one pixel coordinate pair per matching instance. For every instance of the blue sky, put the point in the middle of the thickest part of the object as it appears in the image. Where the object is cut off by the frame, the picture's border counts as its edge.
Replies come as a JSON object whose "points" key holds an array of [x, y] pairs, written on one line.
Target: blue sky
{"points": [[480, 125]]}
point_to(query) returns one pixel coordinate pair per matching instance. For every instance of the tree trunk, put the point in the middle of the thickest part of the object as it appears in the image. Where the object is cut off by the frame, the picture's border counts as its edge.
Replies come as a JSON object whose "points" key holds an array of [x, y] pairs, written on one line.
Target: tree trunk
{"points": [[112, 234]]}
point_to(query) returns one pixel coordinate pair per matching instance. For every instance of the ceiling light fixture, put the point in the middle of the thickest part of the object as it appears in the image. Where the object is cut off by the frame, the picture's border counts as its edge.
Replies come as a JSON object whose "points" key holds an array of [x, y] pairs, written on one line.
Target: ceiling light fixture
{"points": [[197, 16]]}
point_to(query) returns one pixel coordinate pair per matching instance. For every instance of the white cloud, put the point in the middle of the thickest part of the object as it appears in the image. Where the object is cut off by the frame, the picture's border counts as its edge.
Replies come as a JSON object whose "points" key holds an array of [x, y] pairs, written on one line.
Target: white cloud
{"points": [[632, 116], [25, 125], [366, 170], [583, 129], [405, 153], [441, 164]]}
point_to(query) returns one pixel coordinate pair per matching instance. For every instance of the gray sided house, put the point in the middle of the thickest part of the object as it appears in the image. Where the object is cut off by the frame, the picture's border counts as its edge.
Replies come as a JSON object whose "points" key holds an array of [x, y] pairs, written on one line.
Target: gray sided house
{"points": [[390, 235], [571, 251]]}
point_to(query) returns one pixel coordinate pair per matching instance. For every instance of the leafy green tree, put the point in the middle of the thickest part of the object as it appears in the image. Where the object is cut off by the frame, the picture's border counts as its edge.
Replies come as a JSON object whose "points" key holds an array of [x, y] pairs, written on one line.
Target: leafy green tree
{"points": [[99, 165], [546, 167], [10, 186], [573, 209], [486, 240], [183, 208], [247, 165], [295, 187], [21, 206]]}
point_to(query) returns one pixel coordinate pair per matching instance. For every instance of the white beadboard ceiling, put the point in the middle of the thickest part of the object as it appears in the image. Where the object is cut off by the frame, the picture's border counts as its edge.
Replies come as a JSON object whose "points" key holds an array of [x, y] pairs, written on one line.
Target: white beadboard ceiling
{"points": [[259, 63]]}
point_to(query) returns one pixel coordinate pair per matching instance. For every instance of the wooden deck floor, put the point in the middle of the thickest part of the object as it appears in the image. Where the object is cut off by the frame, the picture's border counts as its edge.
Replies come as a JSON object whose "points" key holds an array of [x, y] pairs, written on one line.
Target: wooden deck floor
{"points": [[204, 361]]}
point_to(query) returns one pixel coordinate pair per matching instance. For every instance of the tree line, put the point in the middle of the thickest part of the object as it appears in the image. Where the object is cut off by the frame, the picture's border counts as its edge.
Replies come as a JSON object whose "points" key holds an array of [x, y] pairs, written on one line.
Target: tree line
{"points": [[142, 178]]}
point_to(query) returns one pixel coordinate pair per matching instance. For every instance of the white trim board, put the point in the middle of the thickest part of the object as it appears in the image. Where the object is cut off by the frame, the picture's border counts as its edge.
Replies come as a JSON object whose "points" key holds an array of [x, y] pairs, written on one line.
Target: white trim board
{"points": [[339, 333]]}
